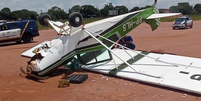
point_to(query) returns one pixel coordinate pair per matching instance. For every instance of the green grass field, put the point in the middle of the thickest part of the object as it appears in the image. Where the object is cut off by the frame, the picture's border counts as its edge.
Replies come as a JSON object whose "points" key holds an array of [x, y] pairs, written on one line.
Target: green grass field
{"points": [[88, 20]]}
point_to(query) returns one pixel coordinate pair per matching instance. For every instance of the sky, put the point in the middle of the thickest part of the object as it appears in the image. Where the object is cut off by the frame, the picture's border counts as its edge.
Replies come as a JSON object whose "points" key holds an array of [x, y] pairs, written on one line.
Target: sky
{"points": [[44, 5]]}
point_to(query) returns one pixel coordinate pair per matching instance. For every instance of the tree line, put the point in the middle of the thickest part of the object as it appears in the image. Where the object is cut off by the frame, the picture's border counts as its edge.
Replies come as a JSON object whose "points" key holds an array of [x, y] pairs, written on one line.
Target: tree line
{"points": [[88, 11]]}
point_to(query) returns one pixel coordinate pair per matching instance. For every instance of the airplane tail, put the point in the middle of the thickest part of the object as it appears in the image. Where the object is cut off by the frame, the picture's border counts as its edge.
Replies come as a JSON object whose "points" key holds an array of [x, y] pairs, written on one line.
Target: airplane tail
{"points": [[154, 19], [155, 22]]}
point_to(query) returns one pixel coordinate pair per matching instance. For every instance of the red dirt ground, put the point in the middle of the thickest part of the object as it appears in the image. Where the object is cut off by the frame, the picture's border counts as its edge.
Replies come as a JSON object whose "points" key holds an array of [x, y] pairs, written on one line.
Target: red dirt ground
{"points": [[99, 87]]}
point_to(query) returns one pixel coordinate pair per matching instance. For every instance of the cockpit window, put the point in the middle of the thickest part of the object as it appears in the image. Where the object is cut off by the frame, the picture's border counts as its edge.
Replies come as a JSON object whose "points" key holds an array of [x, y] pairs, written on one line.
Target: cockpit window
{"points": [[95, 57]]}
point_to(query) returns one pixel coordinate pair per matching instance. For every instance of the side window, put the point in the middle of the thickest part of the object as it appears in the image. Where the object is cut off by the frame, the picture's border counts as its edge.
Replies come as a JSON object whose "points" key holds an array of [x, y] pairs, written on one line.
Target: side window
{"points": [[4, 27], [13, 25], [32, 23], [94, 57]]}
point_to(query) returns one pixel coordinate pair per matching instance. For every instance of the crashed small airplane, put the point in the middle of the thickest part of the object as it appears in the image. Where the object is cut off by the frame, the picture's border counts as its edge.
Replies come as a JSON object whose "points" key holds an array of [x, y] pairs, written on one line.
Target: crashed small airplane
{"points": [[89, 47]]}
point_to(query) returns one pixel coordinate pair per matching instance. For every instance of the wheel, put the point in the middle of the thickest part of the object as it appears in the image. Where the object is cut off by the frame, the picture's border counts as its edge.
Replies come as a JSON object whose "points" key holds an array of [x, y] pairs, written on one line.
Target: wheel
{"points": [[18, 42], [191, 26], [173, 28], [43, 19], [185, 27], [27, 38], [75, 19]]}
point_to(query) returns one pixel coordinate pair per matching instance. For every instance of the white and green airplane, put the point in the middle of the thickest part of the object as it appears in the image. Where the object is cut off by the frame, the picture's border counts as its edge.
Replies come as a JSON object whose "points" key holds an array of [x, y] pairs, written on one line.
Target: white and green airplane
{"points": [[88, 46]]}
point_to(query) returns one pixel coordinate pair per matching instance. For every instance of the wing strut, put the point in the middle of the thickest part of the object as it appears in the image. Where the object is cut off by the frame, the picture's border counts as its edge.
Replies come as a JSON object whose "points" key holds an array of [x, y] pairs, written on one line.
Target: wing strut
{"points": [[156, 59], [172, 64], [109, 49], [88, 32]]}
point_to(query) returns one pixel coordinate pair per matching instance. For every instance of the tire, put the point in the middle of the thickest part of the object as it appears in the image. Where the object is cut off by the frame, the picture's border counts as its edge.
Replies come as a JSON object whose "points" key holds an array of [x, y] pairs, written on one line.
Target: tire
{"points": [[185, 27], [43, 19], [27, 38], [75, 19], [191, 26], [18, 42]]}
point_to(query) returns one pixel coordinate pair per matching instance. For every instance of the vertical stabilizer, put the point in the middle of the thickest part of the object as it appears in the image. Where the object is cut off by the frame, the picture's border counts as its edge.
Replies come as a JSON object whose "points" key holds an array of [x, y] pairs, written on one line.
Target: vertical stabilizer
{"points": [[154, 23]]}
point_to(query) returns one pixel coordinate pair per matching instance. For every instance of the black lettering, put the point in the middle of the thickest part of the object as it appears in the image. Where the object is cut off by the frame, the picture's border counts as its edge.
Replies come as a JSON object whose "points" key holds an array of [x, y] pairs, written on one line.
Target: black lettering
{"points": [[196, 77]]}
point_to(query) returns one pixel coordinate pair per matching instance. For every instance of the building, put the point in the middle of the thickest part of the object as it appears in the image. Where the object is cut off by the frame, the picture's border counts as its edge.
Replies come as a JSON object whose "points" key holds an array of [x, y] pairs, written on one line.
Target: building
{"points": [[164, 10]]}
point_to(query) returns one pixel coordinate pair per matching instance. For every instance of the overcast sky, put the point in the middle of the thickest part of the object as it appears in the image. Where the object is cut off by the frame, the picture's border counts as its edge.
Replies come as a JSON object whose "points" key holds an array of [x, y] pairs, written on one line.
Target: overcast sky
{"points": [[44, 5]]}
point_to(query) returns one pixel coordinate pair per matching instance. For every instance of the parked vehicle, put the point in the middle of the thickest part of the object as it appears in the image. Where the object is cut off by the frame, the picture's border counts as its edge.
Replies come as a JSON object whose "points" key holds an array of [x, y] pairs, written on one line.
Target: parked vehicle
{"points": [[22, 30], [183, 22]]}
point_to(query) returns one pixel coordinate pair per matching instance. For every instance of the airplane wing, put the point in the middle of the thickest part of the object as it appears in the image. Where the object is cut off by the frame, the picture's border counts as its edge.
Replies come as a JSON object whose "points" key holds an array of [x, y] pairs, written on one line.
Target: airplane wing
{"points": [[173, 71], [162, 15]]}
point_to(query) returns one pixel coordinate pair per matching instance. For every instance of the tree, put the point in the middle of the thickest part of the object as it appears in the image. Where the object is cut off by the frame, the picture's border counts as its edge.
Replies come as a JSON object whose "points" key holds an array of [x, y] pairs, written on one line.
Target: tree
{"points": [[57, 13], [34, 15], [25, 14], [104, 11], [89, 11], [22, 14], [5, 10], [109, 6], [122, 9], [147, 6], [14, 15], [173, 9], [185, 8], [76, 8], [5, 13], [197, 8], [134, 9]]}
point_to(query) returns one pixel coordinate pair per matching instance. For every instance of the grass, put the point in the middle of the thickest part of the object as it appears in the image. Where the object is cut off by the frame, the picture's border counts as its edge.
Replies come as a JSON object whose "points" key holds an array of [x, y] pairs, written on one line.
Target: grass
{"points": [[88, 20], [40, 27], [196, 17]]}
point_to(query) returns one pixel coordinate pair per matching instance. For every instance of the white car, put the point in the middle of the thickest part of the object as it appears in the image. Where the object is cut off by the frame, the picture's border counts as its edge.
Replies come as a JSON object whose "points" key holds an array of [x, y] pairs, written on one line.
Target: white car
{"points": [[183, 22]]}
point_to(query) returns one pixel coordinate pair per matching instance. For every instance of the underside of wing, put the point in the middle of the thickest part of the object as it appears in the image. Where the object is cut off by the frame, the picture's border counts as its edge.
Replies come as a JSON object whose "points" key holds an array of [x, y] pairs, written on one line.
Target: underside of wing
{"points": [[163, 15], [59, 26]]}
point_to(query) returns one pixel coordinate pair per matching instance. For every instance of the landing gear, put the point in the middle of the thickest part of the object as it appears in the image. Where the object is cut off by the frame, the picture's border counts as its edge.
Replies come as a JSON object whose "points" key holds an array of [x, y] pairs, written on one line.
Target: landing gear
{"points": [[75, 19], [43, 19], [27, 38]]}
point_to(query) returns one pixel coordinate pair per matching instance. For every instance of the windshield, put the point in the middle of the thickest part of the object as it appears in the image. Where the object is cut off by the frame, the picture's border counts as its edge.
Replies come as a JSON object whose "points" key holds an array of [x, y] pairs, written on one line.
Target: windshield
{"points": [[180, 19]]}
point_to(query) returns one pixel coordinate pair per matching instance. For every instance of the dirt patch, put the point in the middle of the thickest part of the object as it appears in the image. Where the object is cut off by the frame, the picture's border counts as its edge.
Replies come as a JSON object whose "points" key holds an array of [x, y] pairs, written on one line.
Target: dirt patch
{"points": [[99, 87]]}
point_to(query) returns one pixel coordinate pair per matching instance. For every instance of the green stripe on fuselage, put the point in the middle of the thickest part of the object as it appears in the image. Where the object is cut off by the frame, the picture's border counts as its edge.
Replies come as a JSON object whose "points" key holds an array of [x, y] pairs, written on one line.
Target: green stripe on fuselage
{"points": [[70, 55], [128, 25], [113, 72]]}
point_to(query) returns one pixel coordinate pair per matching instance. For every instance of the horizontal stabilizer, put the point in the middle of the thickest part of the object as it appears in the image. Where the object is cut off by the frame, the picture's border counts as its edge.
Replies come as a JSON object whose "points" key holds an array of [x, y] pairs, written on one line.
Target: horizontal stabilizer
{"points": [[162, 15]]}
